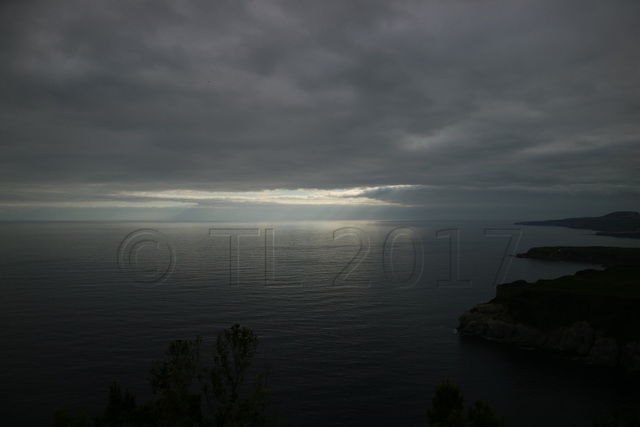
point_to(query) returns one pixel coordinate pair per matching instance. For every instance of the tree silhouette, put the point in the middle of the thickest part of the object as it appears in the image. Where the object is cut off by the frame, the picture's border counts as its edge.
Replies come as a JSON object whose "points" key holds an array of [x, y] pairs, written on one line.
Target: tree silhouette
{"points": [[172, 379], [180, 381], [447, 406], [232, 403], [447, 410]]}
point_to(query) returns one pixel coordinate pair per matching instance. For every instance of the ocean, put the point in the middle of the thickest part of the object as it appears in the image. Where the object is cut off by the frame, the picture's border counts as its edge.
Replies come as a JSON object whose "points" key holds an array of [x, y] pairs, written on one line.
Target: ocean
{"points": [[356, 318]]}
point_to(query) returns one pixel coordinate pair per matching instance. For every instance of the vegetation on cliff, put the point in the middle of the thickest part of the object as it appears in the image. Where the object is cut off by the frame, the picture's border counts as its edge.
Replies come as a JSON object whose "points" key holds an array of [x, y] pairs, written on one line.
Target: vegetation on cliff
{"points": [[609, 300], [591, 315]]}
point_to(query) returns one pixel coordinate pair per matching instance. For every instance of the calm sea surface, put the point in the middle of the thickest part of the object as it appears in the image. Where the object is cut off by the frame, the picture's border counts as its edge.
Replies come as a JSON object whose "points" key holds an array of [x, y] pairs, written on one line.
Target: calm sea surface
{"points": [[356, 318]]}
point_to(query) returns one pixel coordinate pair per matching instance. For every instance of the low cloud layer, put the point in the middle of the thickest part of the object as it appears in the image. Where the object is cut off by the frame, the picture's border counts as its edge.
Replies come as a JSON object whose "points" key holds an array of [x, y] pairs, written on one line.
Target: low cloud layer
{"points": [[434, 106]]}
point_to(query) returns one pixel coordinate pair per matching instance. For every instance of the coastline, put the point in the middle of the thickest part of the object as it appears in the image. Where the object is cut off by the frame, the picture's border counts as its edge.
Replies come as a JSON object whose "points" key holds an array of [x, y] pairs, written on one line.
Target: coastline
{"points": [[589, 317], [606, 256]]}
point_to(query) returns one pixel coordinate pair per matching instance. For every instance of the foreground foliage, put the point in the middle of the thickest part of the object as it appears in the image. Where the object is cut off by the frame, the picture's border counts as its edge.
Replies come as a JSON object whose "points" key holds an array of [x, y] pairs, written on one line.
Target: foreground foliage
{"points": [[180, 383], [447, 410]]}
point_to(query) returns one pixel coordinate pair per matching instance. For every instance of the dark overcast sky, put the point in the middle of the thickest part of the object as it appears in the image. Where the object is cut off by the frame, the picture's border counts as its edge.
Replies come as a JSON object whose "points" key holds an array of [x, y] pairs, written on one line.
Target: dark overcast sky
{"points": [[325, 109]]}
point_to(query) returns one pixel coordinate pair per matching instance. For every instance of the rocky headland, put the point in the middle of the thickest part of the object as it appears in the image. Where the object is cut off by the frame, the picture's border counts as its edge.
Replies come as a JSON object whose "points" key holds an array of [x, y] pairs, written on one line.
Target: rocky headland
{"points": [[591, 316]]}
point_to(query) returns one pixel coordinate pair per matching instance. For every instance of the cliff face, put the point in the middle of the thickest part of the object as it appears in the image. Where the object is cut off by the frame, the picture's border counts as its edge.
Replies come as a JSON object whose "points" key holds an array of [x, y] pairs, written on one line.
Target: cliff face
{"points": [[579, 340], [591, 316]]}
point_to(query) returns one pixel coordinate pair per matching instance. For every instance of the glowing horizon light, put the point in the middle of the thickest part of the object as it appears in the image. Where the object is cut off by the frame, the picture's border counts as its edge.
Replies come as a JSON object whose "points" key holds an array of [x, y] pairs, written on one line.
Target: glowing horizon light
{"points": [[80, 197], [348, 196]]}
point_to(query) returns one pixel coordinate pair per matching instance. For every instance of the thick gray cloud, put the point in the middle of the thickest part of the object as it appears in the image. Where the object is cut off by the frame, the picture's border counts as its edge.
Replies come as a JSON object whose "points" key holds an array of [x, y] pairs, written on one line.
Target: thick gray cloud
{"points": [[463, 104]]}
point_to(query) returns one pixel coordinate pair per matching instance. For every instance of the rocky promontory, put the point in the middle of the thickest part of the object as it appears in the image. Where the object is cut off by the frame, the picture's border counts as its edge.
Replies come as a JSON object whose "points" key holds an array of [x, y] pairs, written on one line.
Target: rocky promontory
{"points": [[591, 316]]}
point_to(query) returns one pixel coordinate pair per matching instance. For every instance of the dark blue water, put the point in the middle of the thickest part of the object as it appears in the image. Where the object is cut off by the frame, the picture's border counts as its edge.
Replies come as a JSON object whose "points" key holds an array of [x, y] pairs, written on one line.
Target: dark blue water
{"points": [[356, 318]]}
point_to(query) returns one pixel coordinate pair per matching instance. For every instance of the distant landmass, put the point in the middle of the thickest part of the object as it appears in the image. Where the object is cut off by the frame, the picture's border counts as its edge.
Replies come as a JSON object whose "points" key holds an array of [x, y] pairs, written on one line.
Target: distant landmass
{"points": [[604, 255], [616, 224]]}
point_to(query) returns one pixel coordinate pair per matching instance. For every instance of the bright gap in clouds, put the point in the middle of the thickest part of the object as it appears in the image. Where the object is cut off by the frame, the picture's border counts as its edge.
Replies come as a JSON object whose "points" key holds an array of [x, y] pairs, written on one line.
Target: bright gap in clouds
{"points": [[349, 196]]}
